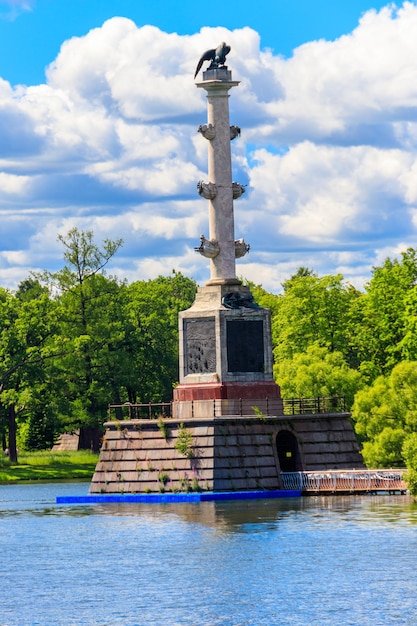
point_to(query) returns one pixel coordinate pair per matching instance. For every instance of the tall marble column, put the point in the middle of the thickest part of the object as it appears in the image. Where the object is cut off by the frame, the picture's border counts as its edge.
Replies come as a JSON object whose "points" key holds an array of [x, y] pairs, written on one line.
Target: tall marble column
{"points": [[217, 82], [226, 364]]}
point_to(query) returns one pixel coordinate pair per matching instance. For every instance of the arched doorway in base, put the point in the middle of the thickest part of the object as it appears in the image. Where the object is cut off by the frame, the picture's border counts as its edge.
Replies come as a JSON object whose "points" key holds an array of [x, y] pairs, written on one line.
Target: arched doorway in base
{"points": [[288, 452]]}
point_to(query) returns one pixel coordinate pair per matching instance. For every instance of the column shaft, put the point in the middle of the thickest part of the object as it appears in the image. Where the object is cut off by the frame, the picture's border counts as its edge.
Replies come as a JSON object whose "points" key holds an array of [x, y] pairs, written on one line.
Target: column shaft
{"points": [[221, 218]]}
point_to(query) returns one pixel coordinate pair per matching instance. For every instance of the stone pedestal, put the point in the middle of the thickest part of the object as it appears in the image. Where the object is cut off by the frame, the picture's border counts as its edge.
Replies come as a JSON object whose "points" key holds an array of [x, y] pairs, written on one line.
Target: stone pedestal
{"points": [[225, 356]]}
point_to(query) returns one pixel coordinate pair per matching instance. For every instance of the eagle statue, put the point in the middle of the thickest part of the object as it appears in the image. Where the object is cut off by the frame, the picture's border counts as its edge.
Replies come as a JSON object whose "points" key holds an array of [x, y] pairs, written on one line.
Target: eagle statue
{"points": [[217, 56]]}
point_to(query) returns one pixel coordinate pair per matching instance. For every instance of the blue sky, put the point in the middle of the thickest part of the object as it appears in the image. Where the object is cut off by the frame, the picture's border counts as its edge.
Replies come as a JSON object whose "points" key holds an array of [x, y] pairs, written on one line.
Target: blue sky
{"points": [[98, 117], [32, 31]]}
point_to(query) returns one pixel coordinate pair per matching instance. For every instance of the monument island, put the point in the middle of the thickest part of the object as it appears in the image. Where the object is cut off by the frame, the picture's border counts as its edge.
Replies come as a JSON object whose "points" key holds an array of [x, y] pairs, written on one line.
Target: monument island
{"points": [[227, 427]]}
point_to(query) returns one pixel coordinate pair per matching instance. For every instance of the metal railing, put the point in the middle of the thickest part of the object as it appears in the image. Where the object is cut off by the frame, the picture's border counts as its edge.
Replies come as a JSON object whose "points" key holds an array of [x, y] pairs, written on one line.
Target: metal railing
{"points": [[347, 481], [242, 407], [302, 406], [150, 410]]}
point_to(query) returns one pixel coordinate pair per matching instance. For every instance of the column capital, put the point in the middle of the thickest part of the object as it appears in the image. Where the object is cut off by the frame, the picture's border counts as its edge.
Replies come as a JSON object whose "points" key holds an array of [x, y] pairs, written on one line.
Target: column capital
{"points": [[218, 80]]}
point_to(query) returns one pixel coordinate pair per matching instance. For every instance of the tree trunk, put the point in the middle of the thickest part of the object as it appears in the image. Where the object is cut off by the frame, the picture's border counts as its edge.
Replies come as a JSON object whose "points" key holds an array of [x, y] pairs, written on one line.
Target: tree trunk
{"points": [[12, 433], [90, 438]]}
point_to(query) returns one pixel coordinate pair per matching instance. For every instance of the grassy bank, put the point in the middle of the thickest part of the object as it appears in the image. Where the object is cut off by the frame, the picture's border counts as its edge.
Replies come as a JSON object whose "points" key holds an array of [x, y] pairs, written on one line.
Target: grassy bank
{"points": [[46, 465]]}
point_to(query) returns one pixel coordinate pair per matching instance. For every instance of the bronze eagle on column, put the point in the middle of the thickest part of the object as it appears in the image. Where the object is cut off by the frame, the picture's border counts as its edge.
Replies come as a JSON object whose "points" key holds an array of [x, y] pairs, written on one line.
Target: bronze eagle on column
{"points": [[217, 56]]}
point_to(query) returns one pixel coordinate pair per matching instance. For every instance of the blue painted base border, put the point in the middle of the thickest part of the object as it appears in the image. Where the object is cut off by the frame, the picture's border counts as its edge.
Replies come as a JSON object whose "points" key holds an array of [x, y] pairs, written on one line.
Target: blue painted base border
{"points": [[208, 496]]}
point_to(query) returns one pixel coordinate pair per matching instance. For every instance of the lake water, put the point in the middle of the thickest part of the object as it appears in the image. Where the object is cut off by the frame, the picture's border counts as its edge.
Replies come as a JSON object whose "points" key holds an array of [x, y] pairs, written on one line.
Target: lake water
{"points": [[336, 561]]}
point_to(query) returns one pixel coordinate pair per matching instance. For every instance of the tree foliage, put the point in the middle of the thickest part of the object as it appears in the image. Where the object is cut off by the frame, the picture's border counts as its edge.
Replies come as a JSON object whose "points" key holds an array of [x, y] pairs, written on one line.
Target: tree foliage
{"points": [[314, 310], [385, 316], [318, 372], [26, 328], [75, 340], [410, 455], [385, 414], [329, 337]]}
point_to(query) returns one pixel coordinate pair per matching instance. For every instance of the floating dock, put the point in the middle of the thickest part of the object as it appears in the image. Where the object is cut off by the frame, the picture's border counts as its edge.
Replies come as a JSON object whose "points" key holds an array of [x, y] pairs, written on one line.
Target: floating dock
{"points": [[158, 498]]}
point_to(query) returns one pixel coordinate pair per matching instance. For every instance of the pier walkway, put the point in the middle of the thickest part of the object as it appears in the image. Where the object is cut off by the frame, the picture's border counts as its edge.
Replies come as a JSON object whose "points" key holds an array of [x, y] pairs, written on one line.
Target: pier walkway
{"points": [[346, 481]]}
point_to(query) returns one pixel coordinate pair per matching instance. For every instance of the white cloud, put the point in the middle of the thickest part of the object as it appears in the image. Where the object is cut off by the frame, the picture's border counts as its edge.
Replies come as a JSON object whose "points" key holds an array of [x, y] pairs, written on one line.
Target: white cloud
{"points": [[327, 193], [13, 185], [328, 149], [15, 8], [352, 89]]}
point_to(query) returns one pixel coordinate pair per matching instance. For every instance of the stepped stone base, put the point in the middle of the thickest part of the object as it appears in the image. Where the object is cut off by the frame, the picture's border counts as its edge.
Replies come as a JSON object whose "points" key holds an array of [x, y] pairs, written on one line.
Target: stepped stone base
{"points": [[67, 442], [223, 453]]}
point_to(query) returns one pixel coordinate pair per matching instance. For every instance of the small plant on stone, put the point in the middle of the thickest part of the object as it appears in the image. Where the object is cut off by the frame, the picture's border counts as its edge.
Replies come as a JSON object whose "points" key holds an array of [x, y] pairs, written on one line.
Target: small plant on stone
{"points": [[259, 413], [185, 484], [195, 485], [184, 443], [162, 425], [163, 478]]}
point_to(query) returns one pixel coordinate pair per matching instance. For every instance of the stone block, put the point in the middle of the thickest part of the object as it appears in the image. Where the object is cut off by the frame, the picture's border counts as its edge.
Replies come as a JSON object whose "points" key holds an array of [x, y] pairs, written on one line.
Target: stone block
{"points": [[243, 448]]}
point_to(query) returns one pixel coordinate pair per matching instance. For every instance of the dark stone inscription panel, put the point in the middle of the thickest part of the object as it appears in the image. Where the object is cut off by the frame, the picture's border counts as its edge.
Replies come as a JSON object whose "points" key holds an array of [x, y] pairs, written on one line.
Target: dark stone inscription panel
{"points": [[245, 346], [200, 346]]}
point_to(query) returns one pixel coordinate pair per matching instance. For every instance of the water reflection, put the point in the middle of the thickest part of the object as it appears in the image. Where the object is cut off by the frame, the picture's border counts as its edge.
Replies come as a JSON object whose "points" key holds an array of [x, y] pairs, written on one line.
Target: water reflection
{"points": [[237, 516], [316, 561]]}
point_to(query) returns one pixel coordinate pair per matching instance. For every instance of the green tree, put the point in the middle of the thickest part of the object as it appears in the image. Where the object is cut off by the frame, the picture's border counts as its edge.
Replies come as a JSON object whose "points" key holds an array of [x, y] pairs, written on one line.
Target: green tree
{"points": [[410, 455], [264, 298], [384, 324], [91, 324], [121, 341], [314, 310], [30, 289], [408, 343], [27, 328], [89, 313], [152, 313], [385, 450], [317, 373], [385, 415]]}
